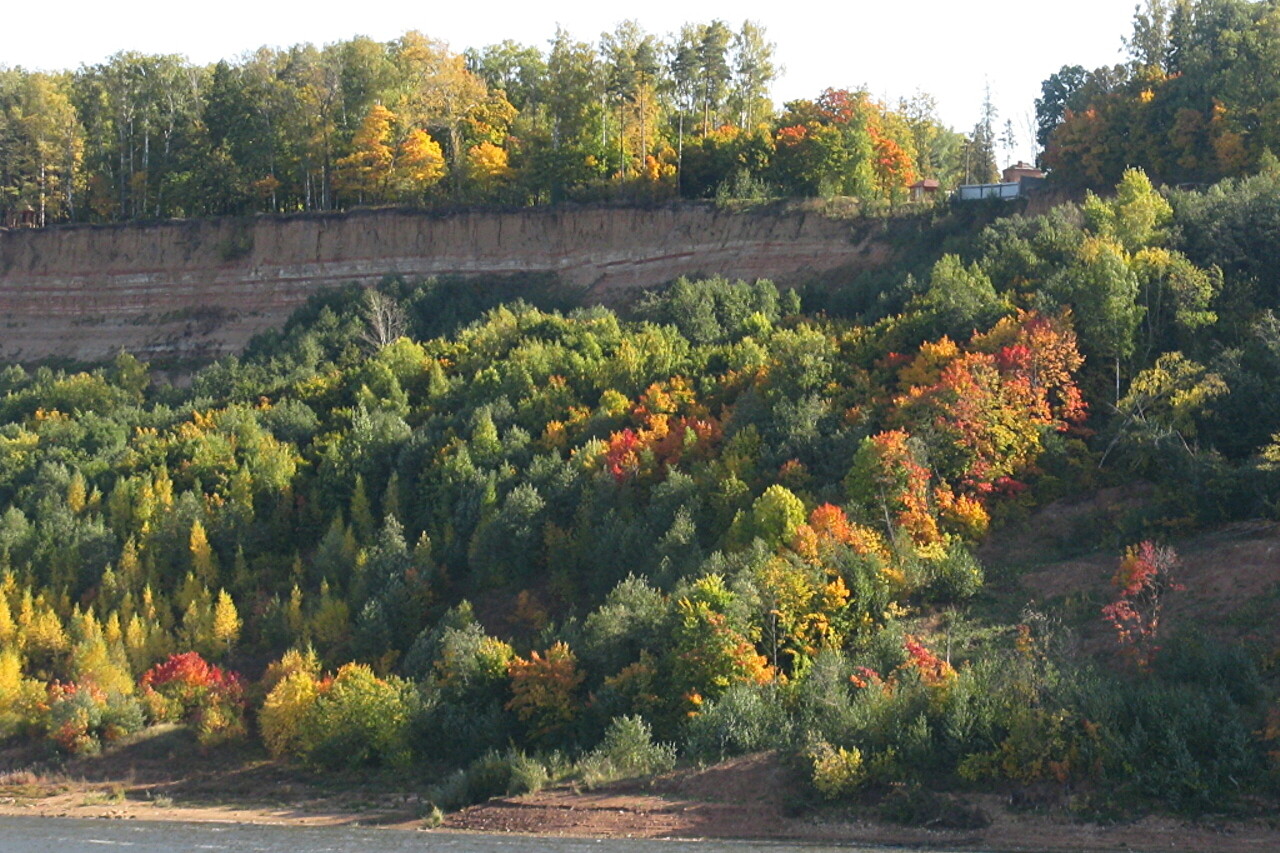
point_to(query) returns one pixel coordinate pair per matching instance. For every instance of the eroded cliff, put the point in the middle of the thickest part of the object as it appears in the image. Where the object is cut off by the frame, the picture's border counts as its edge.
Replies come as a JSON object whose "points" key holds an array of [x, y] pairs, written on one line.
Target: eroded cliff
{"points": [[202, 288]]}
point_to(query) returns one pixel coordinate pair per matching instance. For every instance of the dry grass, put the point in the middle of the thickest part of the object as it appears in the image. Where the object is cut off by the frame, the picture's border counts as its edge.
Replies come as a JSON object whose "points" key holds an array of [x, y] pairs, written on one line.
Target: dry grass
{"points": [[29, 783]]}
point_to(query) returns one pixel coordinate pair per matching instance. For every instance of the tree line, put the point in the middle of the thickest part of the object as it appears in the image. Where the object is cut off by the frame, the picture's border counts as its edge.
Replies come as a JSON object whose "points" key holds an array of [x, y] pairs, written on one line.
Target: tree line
{"points": [[360, 122]]}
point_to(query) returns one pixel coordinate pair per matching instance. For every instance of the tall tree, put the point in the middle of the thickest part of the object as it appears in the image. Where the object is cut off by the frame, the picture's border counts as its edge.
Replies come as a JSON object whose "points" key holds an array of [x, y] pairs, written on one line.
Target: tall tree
{"points": [[1148, 46], [980, 155], [714, 71], [753, 74], [517, 70], [682, 70], [631, 70]]}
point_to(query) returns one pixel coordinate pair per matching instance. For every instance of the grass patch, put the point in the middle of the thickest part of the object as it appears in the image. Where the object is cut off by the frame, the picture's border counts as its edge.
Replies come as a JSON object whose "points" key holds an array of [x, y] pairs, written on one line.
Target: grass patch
{"points": [[110, 795]]}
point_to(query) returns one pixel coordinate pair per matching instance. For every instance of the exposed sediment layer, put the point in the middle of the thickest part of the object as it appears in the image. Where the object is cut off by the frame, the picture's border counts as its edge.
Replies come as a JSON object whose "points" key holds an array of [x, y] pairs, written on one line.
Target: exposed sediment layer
{"points": [[202, 288]]}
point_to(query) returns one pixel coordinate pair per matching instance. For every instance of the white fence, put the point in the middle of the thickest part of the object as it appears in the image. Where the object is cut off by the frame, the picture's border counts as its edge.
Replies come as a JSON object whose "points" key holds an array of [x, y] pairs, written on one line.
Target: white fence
{"points": [[976, 192]]}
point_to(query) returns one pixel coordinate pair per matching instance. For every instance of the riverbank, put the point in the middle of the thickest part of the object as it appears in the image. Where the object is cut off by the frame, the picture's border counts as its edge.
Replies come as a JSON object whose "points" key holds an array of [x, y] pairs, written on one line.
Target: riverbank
{"points": [[747, 798]]}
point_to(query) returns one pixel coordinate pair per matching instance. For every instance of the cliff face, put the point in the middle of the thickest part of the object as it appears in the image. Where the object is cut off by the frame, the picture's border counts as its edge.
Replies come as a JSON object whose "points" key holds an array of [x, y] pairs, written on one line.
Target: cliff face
{"points": [[202, 288]]}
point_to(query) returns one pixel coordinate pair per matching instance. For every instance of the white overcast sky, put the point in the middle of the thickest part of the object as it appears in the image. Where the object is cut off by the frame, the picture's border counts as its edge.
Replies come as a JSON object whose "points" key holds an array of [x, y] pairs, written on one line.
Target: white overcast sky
{"points": [[948, 48]]}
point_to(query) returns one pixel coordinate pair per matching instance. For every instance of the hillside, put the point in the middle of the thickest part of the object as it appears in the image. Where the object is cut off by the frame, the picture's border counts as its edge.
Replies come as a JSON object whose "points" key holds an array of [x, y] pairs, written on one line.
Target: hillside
{"points": [[921, 530], [811, 506]]}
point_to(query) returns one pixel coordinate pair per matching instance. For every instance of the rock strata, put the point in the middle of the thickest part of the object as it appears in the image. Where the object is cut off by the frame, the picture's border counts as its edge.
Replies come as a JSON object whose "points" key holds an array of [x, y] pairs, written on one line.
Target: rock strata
{"points": [[202, 288]]}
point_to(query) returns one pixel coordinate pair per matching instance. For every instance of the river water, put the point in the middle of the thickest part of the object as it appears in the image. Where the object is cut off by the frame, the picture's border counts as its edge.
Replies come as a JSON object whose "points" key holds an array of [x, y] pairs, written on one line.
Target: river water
{"points": [[66, 835]]}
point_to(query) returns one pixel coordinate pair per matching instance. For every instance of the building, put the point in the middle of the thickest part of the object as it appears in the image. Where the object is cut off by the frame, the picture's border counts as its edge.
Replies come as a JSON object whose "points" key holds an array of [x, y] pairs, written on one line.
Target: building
{"points": [[924, 189], [24, 218], [1015, 173]]}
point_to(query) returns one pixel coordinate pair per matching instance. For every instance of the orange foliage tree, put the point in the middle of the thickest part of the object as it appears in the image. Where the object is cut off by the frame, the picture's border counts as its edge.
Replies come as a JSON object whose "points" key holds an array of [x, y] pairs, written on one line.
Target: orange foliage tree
{"points": [[543, 690], [889, 477]]}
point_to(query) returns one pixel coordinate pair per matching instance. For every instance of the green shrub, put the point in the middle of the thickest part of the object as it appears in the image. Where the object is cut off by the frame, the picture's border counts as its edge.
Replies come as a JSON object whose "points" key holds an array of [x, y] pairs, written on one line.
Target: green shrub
{"points": [[627, 751], [747, 718], [488, 776], [528, 774], [491, 775], [1188, 659], [1189, 749], [451, 792], [821, 702], [913, 805], [457, 733], [957, 576]]}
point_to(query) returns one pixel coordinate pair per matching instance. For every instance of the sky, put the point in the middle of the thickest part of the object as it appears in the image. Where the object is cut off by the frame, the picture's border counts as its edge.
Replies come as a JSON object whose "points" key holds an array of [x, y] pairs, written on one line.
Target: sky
{"points": [[950, 49]]}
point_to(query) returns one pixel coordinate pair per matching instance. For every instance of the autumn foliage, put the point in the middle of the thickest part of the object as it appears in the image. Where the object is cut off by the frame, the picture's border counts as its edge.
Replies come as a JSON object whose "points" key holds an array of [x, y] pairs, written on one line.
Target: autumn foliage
{"points": [[544, 689], [186, 687], [1143, 581]]}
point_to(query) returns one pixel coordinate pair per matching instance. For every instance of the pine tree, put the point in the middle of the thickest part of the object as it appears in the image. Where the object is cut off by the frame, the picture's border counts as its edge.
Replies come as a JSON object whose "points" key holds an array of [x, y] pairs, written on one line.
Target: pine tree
{"points": [[197, 624], [76, 493], [129, 569]]}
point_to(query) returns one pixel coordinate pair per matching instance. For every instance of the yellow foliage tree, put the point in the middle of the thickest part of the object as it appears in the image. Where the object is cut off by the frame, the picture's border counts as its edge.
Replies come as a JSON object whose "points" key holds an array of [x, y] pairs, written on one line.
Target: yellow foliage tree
{"points": [[331, 623], [136, 645], [204, 564], [20, 697], [366, 171], [92, 662], [40, 635], [77, 493], [800, 603], [487, 166], [197, 624], [294, 660], [112, 632], [129, 569], [226, 622], [285, 709], [419, 164], [8, 628], [294, 620]]}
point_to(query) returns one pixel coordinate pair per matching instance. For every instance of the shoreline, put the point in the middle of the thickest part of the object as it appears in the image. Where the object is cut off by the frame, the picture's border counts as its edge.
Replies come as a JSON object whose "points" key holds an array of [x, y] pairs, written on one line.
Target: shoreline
{"points": [[622, 811]]}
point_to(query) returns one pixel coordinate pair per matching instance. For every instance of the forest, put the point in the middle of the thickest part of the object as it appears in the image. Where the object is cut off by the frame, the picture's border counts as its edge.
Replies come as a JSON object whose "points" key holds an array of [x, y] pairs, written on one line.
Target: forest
{"points": [[631, 117], [494, 543]]}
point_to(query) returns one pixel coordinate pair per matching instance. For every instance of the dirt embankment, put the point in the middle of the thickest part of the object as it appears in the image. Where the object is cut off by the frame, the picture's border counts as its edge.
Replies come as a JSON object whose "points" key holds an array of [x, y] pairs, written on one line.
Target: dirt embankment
{"points": [[202, 288]]}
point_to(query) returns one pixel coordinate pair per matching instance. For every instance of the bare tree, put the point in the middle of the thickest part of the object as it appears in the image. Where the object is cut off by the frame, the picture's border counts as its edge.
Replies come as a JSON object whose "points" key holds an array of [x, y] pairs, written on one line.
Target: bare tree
{"points": [[384, 319]]}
